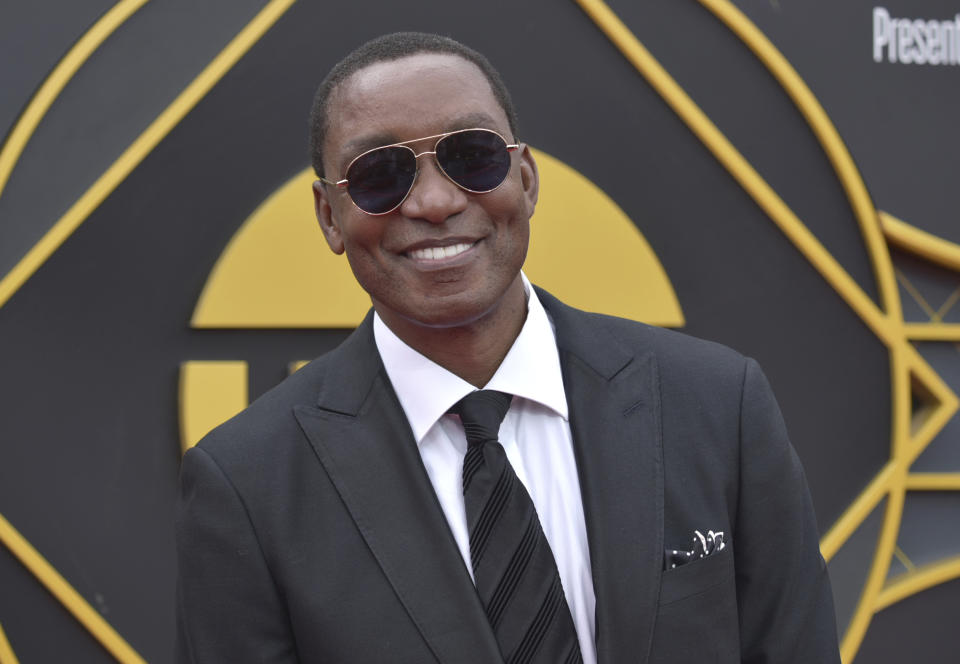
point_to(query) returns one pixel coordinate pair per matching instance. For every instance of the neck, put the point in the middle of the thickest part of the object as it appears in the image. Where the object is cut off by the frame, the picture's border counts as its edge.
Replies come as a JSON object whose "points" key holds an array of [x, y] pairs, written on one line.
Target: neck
{"points": [[473, 351]]}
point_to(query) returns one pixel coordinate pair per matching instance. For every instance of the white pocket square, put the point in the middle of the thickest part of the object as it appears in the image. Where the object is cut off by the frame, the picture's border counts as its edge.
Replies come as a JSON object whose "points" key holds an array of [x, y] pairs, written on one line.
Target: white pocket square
{"points": [[703, 546]]}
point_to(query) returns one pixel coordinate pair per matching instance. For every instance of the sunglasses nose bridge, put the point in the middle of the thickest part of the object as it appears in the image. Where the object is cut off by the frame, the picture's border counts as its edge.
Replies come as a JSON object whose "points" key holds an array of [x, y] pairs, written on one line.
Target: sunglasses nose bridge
{"points": [[417, 155], [432, 191]]}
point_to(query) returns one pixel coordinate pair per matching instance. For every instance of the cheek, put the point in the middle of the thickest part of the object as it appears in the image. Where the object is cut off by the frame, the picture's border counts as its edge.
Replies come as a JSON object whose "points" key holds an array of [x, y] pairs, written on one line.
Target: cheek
{"points": [[522, 240], [365, 258], [361, 242], [513, 222], [361, 234]]}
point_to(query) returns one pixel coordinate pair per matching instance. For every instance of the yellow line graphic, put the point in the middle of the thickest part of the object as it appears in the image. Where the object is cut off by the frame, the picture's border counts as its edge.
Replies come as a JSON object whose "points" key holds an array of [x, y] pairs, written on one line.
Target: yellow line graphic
{"points": [[66, 595], [915, 294], [57, 80], [902, 557], [6, 652], [932, 331], [826, 134], [933, 481], [918, 580], [912, 239], [936, 250], [742, 171], [947, 305], [859, 510], [141, 147]]}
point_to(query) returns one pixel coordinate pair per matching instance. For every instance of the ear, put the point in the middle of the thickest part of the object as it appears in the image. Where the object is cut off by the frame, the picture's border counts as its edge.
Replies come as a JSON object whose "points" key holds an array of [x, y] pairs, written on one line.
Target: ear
{"points": [[529, 178], [329, 226]]}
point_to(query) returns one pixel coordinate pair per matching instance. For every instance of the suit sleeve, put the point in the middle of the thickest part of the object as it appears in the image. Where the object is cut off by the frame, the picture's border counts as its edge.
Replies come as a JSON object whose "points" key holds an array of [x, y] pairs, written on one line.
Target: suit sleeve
{"points": [[228, 607], [784, 598]]}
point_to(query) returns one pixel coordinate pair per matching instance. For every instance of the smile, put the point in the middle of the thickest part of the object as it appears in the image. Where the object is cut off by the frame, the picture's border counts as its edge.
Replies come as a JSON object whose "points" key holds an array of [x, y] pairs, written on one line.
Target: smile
{"points": [[438, 253]]}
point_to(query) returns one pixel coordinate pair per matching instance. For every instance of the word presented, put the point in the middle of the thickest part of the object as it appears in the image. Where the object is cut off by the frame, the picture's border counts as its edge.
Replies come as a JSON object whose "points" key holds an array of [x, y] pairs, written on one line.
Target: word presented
{"points": [[915, 41]]}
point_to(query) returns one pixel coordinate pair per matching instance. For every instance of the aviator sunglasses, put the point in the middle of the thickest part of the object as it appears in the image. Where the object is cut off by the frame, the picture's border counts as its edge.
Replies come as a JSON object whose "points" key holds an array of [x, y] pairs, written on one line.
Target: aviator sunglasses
{"points": [[379, 180]]}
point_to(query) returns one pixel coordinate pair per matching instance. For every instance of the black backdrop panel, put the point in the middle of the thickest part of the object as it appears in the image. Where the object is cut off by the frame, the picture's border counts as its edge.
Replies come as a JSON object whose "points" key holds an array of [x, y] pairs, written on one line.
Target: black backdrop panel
{"points": [[91, 344]]}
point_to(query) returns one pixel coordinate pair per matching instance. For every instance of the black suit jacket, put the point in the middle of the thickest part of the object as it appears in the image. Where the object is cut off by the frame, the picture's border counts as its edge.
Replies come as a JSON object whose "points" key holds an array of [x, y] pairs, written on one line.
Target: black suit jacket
{"points": [[308, 529]]}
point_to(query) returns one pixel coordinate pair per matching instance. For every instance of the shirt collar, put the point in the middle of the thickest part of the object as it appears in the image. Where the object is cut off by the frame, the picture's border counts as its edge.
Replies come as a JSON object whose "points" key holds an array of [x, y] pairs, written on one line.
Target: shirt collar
{"points": [[531, 370]]}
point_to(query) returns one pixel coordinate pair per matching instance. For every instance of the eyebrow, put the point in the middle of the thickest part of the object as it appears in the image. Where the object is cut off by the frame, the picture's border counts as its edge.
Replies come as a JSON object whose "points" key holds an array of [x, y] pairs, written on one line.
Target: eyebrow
{"points": [[359, 145]]}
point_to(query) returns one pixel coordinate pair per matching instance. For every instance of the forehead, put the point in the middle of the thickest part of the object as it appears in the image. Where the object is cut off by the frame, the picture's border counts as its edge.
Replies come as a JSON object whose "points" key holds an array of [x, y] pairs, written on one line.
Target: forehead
{"points": [[415, 96]]}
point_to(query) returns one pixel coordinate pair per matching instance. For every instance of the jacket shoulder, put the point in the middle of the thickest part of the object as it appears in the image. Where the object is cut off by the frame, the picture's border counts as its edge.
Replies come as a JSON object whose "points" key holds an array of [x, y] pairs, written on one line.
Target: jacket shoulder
{"points": [[595, 336], [679, 356], [680, 350], [268, 424]]}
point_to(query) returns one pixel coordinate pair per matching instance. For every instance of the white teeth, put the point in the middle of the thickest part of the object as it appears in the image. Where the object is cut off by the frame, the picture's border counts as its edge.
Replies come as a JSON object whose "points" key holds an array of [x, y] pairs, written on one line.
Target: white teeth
{"points": [[435, 253]]}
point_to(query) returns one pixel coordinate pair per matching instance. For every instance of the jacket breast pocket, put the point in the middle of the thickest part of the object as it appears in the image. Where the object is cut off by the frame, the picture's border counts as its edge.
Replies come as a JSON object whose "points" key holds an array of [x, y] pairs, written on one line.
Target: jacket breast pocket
{"points": [[697, 617], [696, 577]]}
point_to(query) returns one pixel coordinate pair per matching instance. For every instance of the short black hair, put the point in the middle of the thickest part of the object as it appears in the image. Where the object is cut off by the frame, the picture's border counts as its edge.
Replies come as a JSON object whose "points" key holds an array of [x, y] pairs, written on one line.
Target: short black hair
{"points": [[389, 47]]}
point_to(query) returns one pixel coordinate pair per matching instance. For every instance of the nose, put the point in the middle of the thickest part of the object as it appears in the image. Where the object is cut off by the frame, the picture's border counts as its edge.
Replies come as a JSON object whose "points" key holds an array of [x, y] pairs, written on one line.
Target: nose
{"points": [[434, 197]]}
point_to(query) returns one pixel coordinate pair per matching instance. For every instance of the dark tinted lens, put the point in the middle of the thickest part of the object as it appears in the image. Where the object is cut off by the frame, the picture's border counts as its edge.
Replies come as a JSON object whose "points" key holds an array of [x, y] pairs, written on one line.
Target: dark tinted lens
{"points": [[475, 159], [378, 180]]}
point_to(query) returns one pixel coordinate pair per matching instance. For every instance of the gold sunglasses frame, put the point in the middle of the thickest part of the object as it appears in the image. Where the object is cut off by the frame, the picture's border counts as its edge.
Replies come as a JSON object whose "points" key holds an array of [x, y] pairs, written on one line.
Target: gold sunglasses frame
{"points": [[342, 184]]}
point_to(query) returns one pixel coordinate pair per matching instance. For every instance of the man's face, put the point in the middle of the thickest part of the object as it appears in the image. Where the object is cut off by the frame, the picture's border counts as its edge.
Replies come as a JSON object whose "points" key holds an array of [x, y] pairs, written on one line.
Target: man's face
{"points": [[417, 96]]}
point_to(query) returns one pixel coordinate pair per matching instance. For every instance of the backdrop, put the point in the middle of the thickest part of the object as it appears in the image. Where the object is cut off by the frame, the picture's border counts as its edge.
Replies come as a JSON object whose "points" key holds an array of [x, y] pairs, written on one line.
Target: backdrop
{"points": [[777, 176]]}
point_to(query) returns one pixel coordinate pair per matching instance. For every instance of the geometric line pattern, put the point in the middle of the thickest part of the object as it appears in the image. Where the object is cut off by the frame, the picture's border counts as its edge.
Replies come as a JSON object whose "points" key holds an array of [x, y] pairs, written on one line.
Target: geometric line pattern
{"points": [[915, 294], [938, 251], [75, 216], [6, 652], [902, 557], [57, 80], [66, 595], [30, 119], [910, 432], [141, 147], [917, 580], [908, 437], [945, 254], [935, 315]]}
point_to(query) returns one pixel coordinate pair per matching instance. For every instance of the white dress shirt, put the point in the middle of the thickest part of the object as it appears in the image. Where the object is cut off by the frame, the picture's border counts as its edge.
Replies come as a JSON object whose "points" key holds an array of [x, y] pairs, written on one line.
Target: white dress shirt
{"points": [[535, 435]]}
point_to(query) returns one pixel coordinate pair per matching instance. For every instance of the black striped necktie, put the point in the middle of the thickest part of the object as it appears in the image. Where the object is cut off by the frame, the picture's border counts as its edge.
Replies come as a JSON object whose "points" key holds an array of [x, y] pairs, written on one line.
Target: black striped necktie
{"points": [[513, 566]]}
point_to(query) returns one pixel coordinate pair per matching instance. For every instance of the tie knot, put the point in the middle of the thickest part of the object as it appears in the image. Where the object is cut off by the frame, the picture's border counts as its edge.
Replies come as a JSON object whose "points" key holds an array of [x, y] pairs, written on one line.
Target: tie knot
{"points": [[481, 413]]}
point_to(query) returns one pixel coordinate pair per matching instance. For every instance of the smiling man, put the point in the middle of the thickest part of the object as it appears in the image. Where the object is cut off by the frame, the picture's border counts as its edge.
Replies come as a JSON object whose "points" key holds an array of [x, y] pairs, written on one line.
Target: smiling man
{"points": [[479, 473], [442, 266]]}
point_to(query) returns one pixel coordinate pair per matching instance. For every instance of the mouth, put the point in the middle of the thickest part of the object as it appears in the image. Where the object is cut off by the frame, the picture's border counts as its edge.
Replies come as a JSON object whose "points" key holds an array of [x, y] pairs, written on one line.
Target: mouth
{"points": [[440, 253]]}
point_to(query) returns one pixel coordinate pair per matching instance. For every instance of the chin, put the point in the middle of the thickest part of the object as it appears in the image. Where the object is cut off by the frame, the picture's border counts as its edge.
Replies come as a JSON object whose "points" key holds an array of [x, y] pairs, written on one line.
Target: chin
{"points": [[450, 316], [458, 307], [442, 311]]}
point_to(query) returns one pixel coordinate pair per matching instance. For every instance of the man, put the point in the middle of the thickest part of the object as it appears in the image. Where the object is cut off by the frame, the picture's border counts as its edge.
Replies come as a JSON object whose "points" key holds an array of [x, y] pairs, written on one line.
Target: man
{"points": [[365, 511]]}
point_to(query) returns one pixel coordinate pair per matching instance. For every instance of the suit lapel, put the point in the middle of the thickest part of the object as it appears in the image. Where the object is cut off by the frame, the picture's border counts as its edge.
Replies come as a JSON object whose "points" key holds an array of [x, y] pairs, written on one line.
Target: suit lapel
{"points": [[361, 436], [614, 403]]}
